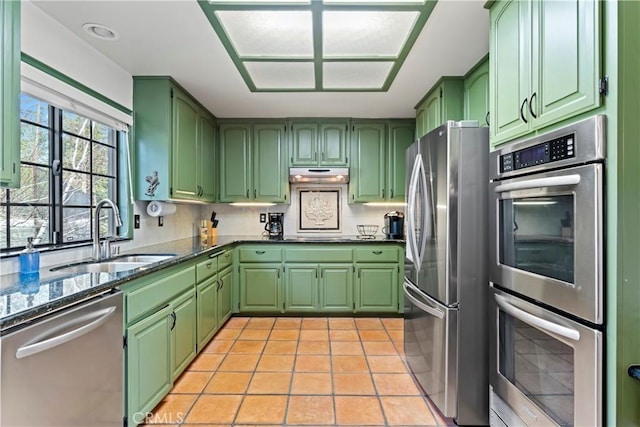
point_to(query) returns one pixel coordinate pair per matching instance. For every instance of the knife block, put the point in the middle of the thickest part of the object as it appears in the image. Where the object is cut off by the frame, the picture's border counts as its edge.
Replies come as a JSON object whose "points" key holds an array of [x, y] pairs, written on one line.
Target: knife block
{"points": [[212, 235]]}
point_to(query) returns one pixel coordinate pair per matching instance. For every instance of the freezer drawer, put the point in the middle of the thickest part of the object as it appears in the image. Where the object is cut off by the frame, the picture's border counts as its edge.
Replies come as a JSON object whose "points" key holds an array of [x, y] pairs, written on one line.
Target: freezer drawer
{"points": [[67, 369], [430, 346]]}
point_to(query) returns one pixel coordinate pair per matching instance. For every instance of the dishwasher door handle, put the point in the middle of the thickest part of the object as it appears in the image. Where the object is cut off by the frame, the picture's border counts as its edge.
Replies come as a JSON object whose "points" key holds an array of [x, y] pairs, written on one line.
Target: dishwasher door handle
{"points": [[31, 349]]}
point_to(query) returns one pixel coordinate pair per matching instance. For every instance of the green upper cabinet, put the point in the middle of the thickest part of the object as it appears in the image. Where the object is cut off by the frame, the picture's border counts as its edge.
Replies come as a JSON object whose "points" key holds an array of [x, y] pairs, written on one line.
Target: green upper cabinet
{"points": [[401, 136], [539, 75], [10, 94], [175, 144], [367, 175], [253, 162], [476, 93], [378, 167], [443, 102], [319, 143]]}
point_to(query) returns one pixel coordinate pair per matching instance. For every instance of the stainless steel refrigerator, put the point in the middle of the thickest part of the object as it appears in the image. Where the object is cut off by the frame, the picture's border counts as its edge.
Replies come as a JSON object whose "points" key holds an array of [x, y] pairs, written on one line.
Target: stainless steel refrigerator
{"points": [[446, 278]]}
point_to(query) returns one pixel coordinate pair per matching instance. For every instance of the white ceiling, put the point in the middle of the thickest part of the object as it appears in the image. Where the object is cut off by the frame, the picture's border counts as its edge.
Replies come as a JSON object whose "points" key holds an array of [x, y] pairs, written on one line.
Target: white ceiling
{"points": [[175, 38]]}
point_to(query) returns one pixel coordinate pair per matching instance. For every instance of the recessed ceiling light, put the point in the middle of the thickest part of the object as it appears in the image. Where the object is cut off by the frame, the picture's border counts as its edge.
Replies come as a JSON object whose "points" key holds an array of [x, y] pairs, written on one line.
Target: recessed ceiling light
{"points": [[101, 31]]}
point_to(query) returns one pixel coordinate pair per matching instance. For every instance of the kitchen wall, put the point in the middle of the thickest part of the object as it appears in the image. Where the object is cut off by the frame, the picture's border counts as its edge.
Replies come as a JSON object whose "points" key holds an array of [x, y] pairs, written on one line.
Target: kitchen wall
{"points": [[244, 221]]}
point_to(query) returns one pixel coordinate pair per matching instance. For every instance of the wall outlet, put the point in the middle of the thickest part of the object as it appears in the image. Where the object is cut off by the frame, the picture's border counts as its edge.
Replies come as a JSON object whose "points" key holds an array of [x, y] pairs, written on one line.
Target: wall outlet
{"points": [[136, 221], [263, 218], [160, 221]]}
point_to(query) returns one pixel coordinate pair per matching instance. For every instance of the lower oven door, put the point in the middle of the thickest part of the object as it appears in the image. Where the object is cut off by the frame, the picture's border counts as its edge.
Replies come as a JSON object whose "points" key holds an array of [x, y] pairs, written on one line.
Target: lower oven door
{"points": [[547, 368], [431, 347]]}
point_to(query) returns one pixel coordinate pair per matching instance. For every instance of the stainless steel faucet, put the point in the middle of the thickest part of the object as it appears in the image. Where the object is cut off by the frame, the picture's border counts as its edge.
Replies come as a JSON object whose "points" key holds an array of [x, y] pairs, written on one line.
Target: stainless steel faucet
{"points": [[97, 253]]}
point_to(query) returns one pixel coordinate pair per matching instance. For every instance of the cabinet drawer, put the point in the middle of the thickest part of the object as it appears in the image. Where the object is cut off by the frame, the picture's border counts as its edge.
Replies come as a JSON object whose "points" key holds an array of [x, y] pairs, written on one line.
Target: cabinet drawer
{"points": [[224, 260], [158, 292], [260, 255], [377, 254], [318, 255], [206, 269]]}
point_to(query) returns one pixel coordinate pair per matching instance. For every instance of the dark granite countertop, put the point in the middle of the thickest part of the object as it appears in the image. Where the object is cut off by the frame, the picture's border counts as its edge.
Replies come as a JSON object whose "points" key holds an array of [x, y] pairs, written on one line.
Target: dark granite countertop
{"points": [[22, 301]]}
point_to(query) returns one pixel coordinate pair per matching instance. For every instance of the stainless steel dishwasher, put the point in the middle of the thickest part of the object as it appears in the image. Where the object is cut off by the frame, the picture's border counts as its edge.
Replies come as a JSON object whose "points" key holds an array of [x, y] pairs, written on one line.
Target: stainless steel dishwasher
{"points": [[65, 369]]}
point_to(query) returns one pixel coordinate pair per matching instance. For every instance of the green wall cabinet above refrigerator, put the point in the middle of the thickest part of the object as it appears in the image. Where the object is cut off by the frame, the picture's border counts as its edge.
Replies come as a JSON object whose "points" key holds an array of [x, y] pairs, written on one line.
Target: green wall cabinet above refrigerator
{"points": [[539, 75], [10, 94], [443, 102], [319, 143], [253, 165], [476, 93], [175, 143], [377, 171]]}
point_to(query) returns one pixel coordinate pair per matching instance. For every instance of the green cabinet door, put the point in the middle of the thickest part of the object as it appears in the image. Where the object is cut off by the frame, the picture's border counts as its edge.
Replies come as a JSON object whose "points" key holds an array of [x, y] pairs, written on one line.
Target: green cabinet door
{"points": [[185, 146], [301, 287], [510, 70], [401, 136], [421, 120], [10, 94], [377, 287], [368, 164], [270, 172], [207, 310], [565, 78], [208, 162], [476, 94], [225, 296], [334, 144], [433, 116], [235, 157], [304, 144], [260, 285], [183, 332], [336, 287], [148, 364]]}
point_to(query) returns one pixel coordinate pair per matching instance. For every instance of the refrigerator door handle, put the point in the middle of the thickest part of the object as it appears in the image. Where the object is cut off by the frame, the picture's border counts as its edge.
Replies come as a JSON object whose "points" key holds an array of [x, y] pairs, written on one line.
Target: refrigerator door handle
{"points": [[529, 318], [434, 311], [425, 230], [412, 253]]}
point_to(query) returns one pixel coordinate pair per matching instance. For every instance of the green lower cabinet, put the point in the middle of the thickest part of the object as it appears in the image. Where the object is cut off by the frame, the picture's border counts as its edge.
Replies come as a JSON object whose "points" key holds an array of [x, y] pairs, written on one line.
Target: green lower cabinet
{"points": [[148, 365], [301, 288], [336, 288], [260, 287], [377, 287], [225, 295], [207, 310], [183, 332]]}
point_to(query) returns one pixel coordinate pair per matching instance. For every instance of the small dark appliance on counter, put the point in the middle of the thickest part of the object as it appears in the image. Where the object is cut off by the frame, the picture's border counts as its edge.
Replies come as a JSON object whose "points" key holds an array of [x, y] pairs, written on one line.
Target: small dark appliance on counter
{"points": [[275, 226], [393, 225]]}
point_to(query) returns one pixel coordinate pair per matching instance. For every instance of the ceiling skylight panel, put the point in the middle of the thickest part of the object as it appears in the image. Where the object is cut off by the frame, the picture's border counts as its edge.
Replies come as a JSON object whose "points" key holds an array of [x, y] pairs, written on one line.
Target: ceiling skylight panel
{"points": [[375, 2], [282, 75], [259, 2], [355, 75], [269, 34], [366, 34]]}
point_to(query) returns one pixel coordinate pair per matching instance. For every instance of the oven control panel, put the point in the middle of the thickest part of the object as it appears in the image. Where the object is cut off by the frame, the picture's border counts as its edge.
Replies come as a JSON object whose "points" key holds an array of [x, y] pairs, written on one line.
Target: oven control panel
{"points": [[546, 152]]}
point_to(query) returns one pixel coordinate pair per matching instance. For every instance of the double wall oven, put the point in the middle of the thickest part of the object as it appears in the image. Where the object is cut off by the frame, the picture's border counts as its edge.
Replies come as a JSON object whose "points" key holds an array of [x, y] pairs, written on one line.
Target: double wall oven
{"points": [[546, 208]]}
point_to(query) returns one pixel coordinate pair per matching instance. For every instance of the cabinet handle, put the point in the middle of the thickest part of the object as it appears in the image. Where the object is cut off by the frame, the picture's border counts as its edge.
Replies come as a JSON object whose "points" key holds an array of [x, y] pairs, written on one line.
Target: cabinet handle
{"points": [[315, 156], [255, 194], [260, 252], [521, 112], [278, 273], [220, 284], [316, 273], [634, 371], [383, 193], [175, 318], [377, 252], [209, 264], [531, 105], [392, 193], [227, 255], [486, 119], [247, 193], [321, 274], [353, 197]]}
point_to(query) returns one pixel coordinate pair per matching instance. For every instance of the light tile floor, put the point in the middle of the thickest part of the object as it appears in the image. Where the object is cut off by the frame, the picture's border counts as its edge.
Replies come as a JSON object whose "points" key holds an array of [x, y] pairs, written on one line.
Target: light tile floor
{"points": [[299, 372]]}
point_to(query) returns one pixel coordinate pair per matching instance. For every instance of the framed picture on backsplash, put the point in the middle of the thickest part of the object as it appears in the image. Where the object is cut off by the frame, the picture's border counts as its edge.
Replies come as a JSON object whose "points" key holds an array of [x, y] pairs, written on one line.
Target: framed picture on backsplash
{"points": [[319, 210]]}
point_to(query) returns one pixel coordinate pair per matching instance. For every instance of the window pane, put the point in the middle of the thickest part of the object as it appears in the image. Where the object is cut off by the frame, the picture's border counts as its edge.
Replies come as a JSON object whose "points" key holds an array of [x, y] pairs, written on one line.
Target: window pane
{"points": [[106, 220], [103, 159], [34, 144], [76, 189], [76, 124], [76, 224], [29, 221], [34, 186], [103, 133], [103, 188], [3, 223], [34, 110], [76, 153]]}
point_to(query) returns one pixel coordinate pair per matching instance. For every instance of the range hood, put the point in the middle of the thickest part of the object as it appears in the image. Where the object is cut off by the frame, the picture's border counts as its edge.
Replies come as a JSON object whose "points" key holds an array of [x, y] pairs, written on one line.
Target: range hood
{"points": [[319, 175]]}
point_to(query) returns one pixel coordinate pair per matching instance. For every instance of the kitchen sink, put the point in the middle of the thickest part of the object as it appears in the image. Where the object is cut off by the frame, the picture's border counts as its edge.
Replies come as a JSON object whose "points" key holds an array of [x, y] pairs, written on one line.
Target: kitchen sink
{"points": [[113, 265]]}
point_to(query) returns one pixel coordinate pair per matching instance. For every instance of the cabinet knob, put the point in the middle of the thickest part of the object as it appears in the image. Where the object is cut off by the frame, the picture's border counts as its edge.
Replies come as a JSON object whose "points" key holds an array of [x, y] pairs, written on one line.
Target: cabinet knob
{"points": [[634, 371], [209, 264]]}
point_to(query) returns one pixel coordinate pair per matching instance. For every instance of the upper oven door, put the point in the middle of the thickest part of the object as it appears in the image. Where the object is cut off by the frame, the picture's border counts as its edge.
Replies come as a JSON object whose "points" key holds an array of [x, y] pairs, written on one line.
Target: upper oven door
{"points": [[547, 239]]}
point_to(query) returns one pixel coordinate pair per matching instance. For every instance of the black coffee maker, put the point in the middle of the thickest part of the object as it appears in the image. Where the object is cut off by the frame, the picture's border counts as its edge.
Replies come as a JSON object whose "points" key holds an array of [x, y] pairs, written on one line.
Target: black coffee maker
{"points": [[393, 225], [275, 225]]}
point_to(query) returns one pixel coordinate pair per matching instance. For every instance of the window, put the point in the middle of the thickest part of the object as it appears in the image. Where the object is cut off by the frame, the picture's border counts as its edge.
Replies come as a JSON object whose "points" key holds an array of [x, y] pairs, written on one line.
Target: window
{"points": [[68, 164]]}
